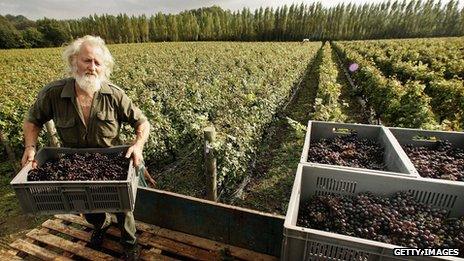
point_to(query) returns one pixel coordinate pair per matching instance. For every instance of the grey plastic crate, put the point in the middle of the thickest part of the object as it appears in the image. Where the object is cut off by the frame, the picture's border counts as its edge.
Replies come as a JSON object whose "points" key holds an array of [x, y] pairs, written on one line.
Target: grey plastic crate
{"points": [[54, 197], [426, 138], [301, 243], [395, 158]]}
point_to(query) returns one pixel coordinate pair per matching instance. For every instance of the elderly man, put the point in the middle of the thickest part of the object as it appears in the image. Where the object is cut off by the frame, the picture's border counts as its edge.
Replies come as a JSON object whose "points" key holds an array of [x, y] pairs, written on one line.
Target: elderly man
{"points": [[88, 111]]}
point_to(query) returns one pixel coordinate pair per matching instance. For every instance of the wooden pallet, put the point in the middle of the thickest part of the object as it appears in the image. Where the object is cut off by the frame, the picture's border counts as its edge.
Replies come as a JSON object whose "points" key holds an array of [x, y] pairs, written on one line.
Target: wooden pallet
{"points": [[65, 237]]}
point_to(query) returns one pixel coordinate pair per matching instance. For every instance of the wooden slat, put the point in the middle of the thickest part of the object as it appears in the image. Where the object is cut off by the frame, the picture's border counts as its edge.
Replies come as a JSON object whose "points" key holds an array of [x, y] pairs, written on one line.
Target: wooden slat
{"points": [[204, 243], [81, 221], [151, 254], [32, 241], [9, 255], [81, 235], [154, 255], [72, 247], [178, 248], [65, 253], [37, 251]]}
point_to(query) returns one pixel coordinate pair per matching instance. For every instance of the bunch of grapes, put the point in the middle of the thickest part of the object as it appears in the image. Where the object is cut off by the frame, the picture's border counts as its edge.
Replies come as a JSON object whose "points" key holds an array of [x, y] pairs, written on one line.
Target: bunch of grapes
{"points": [[398, 220], [442, 161], [348, 150], [87, 166]]}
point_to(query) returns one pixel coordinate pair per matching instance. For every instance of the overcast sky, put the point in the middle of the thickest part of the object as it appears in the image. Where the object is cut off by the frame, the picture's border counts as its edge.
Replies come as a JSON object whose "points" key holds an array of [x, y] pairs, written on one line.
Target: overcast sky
{"points": [[66, 9]]}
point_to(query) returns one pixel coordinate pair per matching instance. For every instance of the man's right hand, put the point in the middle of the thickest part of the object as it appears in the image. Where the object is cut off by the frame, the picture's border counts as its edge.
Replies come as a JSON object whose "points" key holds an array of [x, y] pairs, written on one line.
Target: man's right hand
{"points": [[28, 156]]}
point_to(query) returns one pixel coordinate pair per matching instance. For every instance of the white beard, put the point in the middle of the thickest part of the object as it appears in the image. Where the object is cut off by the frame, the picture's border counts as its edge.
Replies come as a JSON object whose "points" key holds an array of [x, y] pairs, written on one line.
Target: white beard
{"points": [[88, 83]]}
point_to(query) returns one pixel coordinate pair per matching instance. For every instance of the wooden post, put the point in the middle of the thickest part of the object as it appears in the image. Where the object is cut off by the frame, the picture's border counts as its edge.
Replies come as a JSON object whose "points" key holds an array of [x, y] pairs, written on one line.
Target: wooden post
{"points": [[51, 131], [210, 163], [10, 153]]}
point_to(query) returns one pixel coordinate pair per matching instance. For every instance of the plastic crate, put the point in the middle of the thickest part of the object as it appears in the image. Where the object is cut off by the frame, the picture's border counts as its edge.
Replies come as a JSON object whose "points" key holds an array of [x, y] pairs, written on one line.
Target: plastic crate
{"points": [[301, 243], [54, 197], [395, 158], [426, 138]]}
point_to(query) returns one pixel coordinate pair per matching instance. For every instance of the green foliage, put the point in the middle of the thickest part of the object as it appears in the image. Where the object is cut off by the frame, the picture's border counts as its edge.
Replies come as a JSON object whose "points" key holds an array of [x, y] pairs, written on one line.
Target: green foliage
{"points": [[182, 88], [286, 23], [327, 105], [9, 36], [33, 37], [396, 104], [54, 32], [438, 64]]}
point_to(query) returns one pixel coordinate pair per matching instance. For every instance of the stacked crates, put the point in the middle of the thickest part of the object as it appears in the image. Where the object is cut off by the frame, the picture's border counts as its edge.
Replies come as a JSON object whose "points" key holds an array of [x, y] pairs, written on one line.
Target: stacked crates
{"points": [[395, 159], [314, 179]]}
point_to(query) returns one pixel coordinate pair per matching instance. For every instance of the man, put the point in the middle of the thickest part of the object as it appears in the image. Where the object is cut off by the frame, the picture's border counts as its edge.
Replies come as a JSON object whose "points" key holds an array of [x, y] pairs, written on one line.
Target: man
{"points": [[88, 111]]}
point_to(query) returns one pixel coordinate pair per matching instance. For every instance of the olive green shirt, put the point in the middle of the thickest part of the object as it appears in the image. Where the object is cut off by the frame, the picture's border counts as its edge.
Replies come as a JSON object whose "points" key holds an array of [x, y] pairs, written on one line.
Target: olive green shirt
{"points": [[110, 107]]}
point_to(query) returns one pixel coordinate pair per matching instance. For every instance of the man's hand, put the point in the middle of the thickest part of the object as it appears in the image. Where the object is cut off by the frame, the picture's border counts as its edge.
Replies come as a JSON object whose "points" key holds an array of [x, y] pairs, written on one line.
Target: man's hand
{"points": [[135, 151], [28, 156]]}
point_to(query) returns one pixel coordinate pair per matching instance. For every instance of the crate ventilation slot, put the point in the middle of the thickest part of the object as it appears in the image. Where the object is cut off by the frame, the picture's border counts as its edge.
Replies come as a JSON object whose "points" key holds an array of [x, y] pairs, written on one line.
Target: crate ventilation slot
{"points": [[103, 189], [318, 251], [44, 190], [434, 198], [334, 185]]}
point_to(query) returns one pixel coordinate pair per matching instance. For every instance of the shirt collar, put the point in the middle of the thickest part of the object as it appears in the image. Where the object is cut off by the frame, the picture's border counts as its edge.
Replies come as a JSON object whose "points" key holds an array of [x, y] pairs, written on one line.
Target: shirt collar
{"points": [[105, 88], [68, 89]]}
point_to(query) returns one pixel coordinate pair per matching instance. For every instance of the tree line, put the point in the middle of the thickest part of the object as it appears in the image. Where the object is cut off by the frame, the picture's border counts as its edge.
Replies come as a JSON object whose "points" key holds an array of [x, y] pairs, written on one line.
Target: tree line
{"points": [[391, 19]]}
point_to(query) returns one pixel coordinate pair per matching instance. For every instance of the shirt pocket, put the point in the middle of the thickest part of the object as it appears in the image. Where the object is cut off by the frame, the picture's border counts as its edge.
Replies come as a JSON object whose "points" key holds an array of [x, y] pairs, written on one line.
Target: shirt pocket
{"points": [[67, 130], [107, 124]]}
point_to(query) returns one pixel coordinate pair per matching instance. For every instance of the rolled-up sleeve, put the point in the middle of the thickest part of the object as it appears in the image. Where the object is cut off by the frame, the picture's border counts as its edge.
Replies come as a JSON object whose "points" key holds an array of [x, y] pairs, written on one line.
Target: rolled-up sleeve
{"points": [[41, 111], [130, 113]]}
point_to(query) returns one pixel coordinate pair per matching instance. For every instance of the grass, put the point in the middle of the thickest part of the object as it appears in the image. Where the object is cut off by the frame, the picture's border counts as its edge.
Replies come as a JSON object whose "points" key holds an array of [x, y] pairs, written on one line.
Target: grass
{"points": [[272, 180], [270, 187]]}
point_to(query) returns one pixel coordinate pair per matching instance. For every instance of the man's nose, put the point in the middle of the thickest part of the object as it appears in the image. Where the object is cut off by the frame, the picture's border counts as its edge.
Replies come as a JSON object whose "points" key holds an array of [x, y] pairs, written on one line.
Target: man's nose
{"points": [[92, 66]]}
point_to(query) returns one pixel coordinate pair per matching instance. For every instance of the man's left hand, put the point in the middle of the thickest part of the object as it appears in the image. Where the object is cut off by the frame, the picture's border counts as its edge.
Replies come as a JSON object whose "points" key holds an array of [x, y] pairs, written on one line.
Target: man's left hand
{"points": [[135, 151]]}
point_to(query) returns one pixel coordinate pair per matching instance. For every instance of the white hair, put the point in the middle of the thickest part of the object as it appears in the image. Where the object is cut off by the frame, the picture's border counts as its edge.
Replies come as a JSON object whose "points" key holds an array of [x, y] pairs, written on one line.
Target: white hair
{"points": [[72, 50]]}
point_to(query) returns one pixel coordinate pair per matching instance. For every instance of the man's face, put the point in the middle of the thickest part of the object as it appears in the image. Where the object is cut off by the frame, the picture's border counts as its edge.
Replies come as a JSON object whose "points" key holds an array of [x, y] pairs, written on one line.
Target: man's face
{"points": [[89, 61], [89, 68]]}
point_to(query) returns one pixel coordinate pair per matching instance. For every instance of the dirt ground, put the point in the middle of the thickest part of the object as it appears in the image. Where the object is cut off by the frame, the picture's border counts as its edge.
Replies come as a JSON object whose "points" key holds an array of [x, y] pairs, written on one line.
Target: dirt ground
{"points": [[13, 223]]}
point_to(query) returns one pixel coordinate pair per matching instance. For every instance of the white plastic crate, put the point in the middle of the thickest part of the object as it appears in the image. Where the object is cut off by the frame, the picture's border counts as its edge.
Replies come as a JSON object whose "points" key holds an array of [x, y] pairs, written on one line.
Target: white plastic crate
{"points": [[426, 138], [54, 197], [395, 159], [301, 243]]}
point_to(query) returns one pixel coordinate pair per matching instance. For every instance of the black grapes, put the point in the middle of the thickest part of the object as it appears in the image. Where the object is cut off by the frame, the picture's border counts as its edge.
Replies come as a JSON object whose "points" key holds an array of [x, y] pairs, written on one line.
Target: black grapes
{"points": [[442, 161], [349, 150], [87, 166], [398, 220]]}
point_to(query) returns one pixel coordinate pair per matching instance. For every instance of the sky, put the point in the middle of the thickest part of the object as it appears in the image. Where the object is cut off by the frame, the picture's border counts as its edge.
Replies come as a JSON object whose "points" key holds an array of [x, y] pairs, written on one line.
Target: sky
{"points": [[68, 9]]}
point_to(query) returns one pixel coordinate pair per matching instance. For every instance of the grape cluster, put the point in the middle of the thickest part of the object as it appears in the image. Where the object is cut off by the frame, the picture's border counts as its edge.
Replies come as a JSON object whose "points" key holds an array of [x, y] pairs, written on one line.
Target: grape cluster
{"points": [[87, 166], [442, 161], [348, 150], [398, 220]]}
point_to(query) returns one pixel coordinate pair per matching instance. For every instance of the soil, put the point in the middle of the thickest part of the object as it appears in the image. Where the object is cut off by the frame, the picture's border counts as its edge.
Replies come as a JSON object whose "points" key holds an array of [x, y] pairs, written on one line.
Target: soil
{"points": [[13, 223]]}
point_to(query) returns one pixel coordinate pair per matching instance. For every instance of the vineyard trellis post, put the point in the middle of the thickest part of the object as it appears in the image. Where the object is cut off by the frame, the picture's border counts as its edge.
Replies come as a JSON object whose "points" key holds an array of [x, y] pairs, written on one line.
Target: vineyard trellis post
{"points": [[210, 163]]}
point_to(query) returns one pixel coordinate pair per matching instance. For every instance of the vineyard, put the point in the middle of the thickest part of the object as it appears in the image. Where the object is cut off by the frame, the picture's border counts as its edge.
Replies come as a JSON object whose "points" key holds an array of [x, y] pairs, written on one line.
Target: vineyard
{"points": [[428, 71], [182, 88], [259, 97]]}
